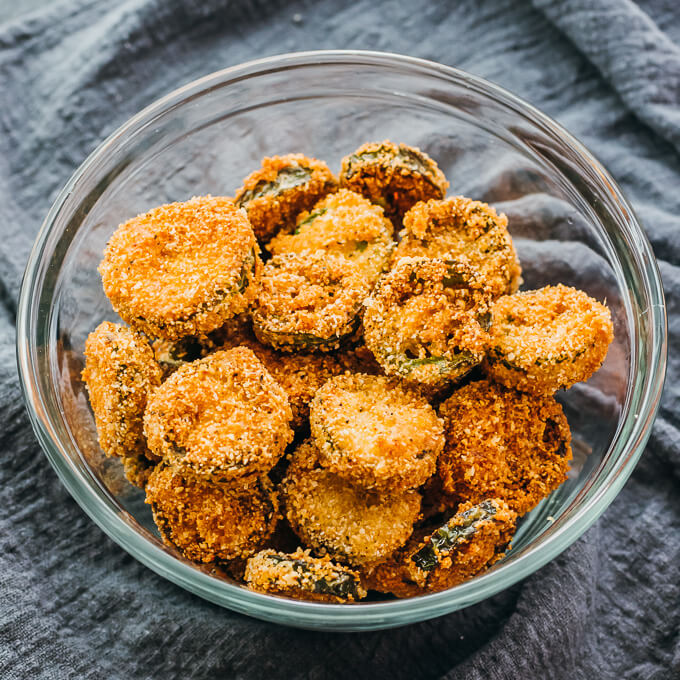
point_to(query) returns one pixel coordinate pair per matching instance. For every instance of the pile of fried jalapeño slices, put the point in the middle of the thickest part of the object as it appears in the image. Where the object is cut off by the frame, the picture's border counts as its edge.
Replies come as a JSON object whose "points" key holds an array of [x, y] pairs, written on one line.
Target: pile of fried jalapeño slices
{"points": [[318, 411]]}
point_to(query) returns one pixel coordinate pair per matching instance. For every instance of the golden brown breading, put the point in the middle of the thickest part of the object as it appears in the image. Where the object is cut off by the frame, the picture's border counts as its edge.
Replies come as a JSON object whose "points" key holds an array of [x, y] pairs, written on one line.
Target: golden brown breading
{"points": [[223, 417], [395, 176], [470, 542], [309, 301], [303, 577], [282, 188], [344, 223], [425, 321], [459, 226], [375, 433], [182, 269], [351, 524], [208, 521], [504, 444], [548, 339], [120, 372]]}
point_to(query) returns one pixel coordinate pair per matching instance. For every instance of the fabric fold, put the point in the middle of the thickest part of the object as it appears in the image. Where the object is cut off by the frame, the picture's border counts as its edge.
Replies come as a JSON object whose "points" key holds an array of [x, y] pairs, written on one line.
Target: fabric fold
{"points": [[640, 62]]}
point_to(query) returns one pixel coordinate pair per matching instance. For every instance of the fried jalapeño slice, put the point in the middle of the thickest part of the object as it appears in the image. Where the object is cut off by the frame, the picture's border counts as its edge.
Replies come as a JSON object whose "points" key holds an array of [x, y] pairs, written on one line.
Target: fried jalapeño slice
{"points": [[548, 339], [282, 188], [426, 320], [394, 176], [182, 269], [459, 226]]}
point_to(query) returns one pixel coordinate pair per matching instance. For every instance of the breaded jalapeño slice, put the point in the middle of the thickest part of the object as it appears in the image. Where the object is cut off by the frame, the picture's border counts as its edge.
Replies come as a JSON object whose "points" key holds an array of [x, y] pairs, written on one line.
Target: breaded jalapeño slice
{"points": [[120, 373], [303, 577], [208, 521], [394, 176], [503, 444], [183, 268], [309, 300], [345, 223], [433, 560], [426, 320], [459, 226], [281, 189], [375, 433], [222, 417], [548, 339], [351, 524]]}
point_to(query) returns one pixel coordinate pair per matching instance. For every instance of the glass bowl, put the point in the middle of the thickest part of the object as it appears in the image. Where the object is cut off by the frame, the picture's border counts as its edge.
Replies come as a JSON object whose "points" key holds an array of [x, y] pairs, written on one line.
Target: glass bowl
{"points": [[568, 218]]}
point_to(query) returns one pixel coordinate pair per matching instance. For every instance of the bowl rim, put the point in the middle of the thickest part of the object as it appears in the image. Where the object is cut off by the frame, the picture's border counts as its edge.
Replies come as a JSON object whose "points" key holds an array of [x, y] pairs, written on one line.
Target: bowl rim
{"points": [[324, 615]]}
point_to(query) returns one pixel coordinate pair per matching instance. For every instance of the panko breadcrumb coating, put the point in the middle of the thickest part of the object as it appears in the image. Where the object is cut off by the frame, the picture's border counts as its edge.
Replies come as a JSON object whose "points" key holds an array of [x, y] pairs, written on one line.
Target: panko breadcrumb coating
{"points": [[345, 223], [394, 176], [120, 372], [503, 444], [375, 433], [208, 521], [460, 226], [309, 301], [183, 268], [426, 320], [351, 524], [548, 339], [303, 577], [471, 541], [281, 189], [223, 417]]}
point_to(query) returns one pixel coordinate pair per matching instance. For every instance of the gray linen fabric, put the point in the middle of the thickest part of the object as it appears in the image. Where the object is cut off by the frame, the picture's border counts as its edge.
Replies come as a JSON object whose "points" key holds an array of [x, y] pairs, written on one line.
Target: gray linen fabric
{"points": [[73, 604]]}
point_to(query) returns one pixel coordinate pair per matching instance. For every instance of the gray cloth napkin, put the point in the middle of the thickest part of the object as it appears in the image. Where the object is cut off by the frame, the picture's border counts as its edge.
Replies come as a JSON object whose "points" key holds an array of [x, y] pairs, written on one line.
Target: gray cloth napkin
{"points": [[75, 605]]}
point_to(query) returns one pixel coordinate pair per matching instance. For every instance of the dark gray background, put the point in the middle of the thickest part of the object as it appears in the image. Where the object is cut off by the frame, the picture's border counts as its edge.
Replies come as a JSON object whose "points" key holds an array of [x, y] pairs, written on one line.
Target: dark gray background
{"points": [[73, 604]]}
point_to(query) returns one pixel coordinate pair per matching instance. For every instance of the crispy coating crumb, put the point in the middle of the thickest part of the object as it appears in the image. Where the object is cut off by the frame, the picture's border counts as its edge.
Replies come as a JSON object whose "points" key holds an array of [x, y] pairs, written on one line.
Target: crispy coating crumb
{"points": [[303, 577], [375, 433], [344, 223], [425, 321], [281, 189], [460, 226], [309, 301], [470, 542], [182, 268], [223, 417], [547, 339], [395, 176], [208, 521], [503, 444], [120, 372], [350, 523]]}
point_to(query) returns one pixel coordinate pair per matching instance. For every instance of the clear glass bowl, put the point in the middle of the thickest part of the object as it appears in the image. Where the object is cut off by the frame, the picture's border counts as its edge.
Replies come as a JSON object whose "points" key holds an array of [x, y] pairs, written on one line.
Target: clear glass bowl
{"points": [[569, 220]]}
